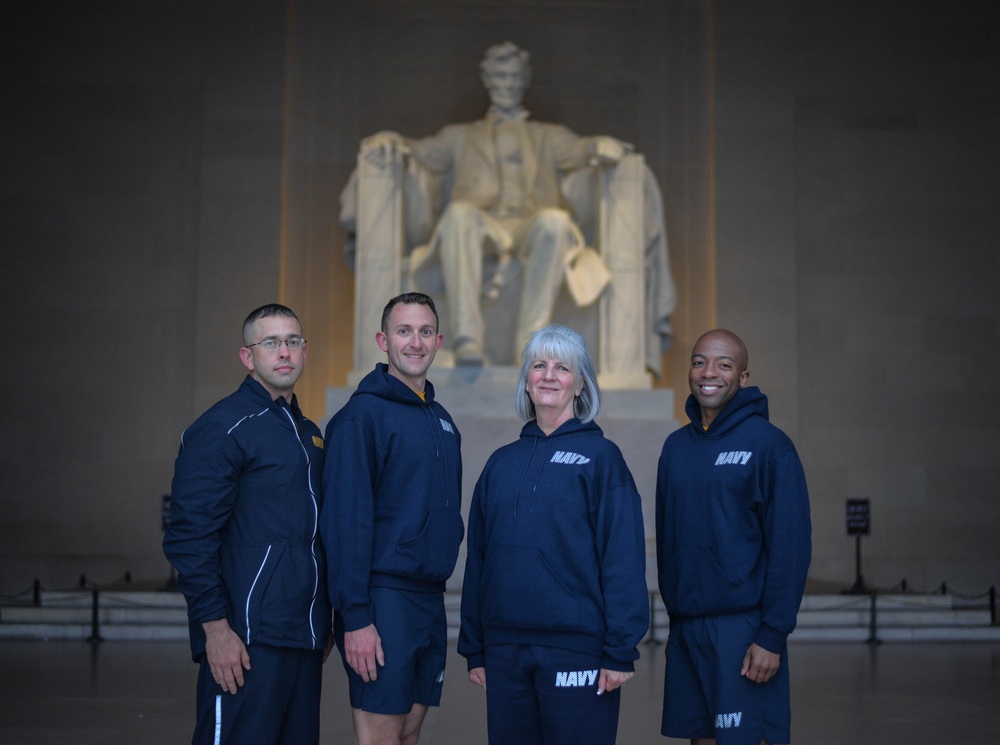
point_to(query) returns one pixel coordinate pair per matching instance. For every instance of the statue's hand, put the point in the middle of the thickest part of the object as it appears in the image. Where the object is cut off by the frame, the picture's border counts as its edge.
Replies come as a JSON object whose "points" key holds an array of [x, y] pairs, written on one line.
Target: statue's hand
{"points": [[492, 289], [383, 148], [608, 151]]}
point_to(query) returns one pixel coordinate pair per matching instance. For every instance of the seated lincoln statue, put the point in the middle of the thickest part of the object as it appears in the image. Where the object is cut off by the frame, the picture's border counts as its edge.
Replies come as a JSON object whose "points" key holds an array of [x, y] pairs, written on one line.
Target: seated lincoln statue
{"points": [[508, 202]]}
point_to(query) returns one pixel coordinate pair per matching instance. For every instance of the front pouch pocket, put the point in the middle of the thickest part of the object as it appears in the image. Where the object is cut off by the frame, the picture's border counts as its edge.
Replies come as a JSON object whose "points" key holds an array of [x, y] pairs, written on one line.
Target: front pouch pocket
{"points": [[699, 585], [431, 554], [521, 590]]}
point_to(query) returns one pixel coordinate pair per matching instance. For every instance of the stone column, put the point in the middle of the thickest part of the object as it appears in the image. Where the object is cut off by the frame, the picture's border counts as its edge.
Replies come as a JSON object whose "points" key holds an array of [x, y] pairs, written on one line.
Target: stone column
{"points": [[622, 356], [379, 256]]}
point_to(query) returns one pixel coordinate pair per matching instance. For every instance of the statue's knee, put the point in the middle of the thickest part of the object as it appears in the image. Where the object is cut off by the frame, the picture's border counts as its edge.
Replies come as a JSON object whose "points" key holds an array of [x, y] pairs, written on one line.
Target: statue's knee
{"points": [[550, 237], [553, 220], [459, 212]]}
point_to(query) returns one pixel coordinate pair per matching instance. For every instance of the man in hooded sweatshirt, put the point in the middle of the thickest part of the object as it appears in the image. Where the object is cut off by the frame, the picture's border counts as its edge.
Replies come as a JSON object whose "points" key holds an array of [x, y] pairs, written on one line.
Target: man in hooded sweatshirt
{"points": [[733, 544], [392, 527]]}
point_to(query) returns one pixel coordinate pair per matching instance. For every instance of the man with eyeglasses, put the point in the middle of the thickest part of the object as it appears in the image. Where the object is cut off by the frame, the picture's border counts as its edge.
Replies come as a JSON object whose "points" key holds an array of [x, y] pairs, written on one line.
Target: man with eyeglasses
{"points": [[245, 506], [392, 524]]}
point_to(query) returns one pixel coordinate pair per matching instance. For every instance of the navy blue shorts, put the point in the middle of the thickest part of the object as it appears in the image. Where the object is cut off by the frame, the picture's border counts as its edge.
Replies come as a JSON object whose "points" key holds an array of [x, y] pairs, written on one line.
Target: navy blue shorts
{"points": [[414, 633], [277, 705], [537, 694], [704, 695]]}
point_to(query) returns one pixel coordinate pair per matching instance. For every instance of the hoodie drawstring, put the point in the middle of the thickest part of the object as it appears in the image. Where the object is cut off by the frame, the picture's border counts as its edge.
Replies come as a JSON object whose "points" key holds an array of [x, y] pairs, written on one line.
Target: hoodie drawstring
{"points": [[545, 458], [527, 464], [434, 433], [524, 473]]}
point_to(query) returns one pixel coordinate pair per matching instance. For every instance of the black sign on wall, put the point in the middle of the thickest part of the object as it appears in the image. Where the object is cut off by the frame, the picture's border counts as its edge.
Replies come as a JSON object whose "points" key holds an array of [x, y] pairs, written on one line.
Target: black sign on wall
{"points": [[859, 517]]}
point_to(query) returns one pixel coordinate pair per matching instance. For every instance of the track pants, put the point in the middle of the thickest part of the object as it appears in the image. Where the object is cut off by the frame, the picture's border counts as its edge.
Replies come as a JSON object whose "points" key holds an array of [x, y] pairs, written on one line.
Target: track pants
{"points": [[539, 695], [277, 705]]}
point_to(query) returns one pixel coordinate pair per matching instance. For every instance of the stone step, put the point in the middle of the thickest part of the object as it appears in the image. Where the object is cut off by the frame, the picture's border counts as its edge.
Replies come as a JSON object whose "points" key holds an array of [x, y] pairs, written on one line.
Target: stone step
{"points": [[83, 632], [891, 611]]}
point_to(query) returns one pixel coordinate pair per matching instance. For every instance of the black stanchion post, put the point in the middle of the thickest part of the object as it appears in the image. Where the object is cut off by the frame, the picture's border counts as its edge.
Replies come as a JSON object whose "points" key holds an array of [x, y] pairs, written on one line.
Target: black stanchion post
{"points": [[95, 618], [36, 593], [858, 524], [859, 582], [993, 605], [873, 621]]}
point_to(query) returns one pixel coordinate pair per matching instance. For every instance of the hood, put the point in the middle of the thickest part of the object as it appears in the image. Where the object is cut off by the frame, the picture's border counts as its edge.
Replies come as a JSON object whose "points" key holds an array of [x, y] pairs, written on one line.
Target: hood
{"points": [[534, 437], [380, 383], [572, 427], [747, 402]]}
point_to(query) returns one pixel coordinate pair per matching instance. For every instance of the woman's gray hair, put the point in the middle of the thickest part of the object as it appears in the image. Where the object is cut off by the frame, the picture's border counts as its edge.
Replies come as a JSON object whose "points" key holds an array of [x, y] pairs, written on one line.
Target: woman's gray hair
{"points": [[561, 343]]}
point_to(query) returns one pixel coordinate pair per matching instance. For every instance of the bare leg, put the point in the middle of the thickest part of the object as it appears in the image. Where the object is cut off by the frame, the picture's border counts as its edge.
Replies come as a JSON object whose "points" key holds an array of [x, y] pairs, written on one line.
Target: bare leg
{"points": [[388, 729]]}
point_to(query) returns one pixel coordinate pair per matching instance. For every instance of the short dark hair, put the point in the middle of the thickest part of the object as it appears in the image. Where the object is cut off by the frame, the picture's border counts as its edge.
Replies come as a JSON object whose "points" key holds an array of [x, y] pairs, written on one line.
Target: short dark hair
{"points": [[409, 298], [745, 361], [265, 311]]}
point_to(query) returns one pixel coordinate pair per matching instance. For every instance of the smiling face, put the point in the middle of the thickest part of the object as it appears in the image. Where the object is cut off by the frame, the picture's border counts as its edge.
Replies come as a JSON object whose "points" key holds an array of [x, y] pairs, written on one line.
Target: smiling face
{"points": [[410, 341], [552, 387], [279, 370], [718, 370]]}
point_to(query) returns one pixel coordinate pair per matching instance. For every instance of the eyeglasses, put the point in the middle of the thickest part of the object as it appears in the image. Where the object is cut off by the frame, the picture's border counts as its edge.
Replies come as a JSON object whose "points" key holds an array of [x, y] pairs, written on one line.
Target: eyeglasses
{"points": [[294, 344]]}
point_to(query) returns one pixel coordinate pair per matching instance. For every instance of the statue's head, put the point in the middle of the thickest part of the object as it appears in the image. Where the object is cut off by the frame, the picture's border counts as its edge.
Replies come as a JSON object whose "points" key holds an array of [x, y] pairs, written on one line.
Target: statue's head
{"points": [[506, 72]]}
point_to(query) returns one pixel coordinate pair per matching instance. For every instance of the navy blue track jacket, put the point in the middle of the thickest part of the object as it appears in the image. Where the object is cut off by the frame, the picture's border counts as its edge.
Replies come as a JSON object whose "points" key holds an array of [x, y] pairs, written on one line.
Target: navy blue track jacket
{"points": [[243, 533], [556, 551]]}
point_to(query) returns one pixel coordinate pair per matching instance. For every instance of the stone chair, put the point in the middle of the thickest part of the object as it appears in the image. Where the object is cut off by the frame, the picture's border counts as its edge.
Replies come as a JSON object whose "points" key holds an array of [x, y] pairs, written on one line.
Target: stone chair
{"points": [[390, 209]]}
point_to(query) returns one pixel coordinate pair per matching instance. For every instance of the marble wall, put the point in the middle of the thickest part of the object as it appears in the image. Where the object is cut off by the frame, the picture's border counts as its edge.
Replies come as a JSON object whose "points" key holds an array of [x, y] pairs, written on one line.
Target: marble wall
{"points": [[830, 182]]}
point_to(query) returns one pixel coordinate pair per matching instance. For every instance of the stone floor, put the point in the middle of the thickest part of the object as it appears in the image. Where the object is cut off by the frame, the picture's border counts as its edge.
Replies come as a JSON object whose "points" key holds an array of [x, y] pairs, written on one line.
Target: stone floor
{"points": [[132, 693]]}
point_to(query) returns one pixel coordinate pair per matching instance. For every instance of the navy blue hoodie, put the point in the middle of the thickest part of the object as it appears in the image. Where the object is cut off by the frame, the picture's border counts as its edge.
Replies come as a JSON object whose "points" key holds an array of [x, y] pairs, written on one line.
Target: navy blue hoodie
{"points": [[392, 487], [732, 519], [245, 506], [556, 550]]}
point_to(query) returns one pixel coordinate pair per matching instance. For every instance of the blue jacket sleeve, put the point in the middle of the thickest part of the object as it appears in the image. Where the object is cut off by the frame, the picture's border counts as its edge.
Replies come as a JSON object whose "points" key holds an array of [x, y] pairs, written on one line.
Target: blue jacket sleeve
{"points": [[788, 545], [621, 545], [205, 485], [347, 522], [470, 639]]}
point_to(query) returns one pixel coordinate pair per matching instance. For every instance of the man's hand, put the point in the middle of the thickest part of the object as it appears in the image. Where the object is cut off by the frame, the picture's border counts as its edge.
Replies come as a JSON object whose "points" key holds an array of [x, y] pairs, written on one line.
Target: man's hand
{"points": [[478, 676], [611, 679], [363, 650], [226, 654], [759, 665]]}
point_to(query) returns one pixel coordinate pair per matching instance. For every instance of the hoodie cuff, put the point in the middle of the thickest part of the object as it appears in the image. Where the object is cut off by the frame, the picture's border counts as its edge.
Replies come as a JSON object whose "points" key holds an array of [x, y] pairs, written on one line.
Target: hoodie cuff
{"points": [[771, 639], [476, 660], [617, 665], [356, 617]]}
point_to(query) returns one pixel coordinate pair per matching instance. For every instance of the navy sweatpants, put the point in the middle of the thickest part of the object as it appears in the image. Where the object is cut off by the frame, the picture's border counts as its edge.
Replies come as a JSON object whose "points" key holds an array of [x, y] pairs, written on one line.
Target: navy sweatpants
{"points": [[277, 705], [539, 695]]}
